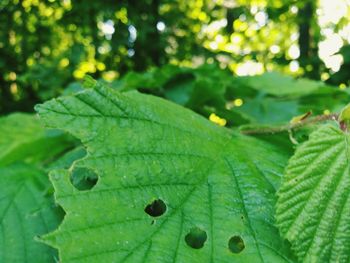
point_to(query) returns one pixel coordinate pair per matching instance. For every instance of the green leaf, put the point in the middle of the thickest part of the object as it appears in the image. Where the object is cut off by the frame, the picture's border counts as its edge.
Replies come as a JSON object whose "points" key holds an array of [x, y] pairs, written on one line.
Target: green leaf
{"points": [[179, 88], [282, 85], [263, 110], [26, 211], [22, 137], [345, 114], [313, 208], [326, 98], [67, 159], [89, 82], [172, 187]]}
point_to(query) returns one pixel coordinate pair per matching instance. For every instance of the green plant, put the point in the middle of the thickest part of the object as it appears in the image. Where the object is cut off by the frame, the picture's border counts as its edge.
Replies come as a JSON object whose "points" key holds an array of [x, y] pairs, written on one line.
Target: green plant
{"points": [[147, 180], [313, 208]]}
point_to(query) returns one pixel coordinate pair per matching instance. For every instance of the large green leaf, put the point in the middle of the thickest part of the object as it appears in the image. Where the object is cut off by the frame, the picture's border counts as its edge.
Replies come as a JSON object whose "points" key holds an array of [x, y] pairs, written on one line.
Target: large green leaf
{"points": [[22, 138], [26, 210], [263, 110], [313, 208], [282, 85], [172, 186]]}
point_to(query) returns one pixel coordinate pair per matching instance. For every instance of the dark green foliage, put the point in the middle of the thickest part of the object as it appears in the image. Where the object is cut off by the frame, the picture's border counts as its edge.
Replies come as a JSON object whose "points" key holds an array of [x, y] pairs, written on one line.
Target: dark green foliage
{"points": [[47, 45]]}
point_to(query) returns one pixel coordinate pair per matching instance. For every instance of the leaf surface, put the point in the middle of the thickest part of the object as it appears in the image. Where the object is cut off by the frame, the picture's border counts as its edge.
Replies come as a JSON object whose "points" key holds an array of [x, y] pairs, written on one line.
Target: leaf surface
{"points": [[282, 85], [26, 210], [313, 208], [172, 187], [22, 138]]}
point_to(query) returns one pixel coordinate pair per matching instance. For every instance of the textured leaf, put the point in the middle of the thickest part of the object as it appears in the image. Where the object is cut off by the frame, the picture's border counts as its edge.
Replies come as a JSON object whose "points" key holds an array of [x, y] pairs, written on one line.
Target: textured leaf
{"points": [[313, 208], [22, 137], [172, 186], [26, 210]]}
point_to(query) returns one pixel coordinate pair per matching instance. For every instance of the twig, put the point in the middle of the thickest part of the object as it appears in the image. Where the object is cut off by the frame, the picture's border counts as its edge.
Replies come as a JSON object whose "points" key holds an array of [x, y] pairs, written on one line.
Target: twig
{"points": [[291, 126]]}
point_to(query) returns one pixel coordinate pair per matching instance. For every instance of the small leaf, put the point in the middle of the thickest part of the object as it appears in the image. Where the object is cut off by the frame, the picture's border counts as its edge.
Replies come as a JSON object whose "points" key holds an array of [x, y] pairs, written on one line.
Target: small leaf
{"points": [[345, 115], [313, 208], [300, 118]]}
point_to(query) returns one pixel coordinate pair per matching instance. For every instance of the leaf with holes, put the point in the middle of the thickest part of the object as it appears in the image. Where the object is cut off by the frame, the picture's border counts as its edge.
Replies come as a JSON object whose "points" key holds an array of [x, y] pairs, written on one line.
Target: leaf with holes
{"points": [[171, 186], [26, 210], [313, 208]]}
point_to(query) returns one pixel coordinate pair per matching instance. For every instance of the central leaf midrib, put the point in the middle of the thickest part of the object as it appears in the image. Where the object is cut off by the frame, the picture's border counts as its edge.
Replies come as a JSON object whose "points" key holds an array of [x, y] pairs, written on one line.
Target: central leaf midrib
{"points": [[175, 211], [244, 209]]}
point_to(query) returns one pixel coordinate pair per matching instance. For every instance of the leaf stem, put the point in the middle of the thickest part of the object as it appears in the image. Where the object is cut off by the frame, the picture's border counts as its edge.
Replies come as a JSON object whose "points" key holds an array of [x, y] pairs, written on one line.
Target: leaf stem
{"points": [[291, 126]]}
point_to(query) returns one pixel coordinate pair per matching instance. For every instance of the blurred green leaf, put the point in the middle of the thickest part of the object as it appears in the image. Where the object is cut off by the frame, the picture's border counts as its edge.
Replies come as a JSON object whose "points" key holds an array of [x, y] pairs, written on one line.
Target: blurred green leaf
{"points": [[22, 138], [27, 210]]}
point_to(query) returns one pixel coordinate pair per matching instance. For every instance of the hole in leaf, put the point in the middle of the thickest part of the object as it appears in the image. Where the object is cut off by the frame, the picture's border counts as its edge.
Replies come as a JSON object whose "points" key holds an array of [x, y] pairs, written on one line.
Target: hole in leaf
{"points": [[60, 213], [236, 244], [156, 208], [83, 178], [196, 238]]}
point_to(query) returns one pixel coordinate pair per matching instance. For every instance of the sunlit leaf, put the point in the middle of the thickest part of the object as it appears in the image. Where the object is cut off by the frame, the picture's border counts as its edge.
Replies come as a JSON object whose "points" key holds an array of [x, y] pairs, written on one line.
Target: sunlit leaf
{"points": [[172, 186]]}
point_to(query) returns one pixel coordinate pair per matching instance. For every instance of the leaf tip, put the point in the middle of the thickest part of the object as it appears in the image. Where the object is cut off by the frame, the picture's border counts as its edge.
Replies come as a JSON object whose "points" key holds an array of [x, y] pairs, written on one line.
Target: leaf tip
{"points": [[89, 82]]}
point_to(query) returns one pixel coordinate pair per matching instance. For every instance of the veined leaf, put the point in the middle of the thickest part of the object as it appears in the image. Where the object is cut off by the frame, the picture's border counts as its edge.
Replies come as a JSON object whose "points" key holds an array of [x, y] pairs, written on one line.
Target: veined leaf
{"points": [[313, 208], [172, 186], [26, 210]]}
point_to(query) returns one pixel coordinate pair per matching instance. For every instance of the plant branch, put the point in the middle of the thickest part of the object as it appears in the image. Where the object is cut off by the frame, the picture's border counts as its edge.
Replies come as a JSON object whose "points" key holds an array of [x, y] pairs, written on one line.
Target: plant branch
{"points": [[290, 126]]}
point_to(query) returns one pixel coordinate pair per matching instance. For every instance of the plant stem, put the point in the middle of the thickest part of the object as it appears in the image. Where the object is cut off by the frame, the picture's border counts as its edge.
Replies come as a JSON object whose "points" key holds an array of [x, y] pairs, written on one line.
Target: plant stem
{"points": [[291, 126]]}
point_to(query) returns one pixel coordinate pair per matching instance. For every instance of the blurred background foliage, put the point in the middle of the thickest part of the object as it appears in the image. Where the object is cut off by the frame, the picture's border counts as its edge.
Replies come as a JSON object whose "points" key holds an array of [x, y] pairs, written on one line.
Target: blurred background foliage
{"points": [[199, 53]]}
